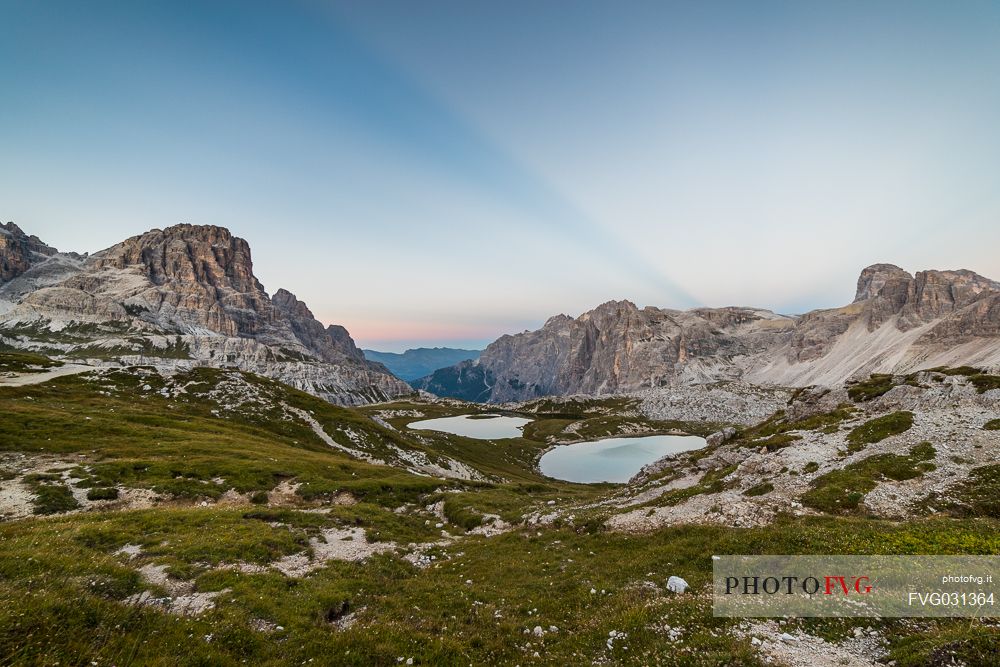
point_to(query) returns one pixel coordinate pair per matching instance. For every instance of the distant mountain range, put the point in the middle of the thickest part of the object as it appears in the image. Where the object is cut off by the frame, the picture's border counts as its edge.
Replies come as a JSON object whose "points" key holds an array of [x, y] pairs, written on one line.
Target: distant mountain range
{"points": [[897, 323], [422, 361], [187, 296]]}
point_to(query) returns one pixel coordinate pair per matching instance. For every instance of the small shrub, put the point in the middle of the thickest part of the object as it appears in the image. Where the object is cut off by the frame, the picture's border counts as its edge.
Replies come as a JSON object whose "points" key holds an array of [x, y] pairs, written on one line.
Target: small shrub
{"points": [[924, 451], [461, 515], [42, 477], [992, 425], [103, 494], [759, 490], [812, 466], [776, 441], [984, 383], [53, 499]]}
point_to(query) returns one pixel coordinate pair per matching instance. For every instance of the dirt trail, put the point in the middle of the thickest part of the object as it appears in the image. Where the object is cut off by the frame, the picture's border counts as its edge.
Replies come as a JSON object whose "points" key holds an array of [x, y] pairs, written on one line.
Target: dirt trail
{"points": [[24, 379]]}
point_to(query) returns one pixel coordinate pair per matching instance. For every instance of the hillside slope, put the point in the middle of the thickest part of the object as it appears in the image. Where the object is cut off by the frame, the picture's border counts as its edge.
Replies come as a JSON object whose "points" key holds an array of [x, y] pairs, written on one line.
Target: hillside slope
{"points": [[216, 517]]}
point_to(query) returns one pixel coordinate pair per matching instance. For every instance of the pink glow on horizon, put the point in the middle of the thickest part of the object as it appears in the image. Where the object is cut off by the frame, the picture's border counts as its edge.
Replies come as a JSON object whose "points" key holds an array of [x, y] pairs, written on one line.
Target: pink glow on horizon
{"points": [[373, 333]]}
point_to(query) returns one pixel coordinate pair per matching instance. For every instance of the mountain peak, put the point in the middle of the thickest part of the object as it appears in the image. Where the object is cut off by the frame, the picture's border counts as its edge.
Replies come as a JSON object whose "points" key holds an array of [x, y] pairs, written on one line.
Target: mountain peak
{"points": [[191, 254], [193, 284], [186, 229], [873, 280], [19, 251], [10, 228], [331, 343], [288, 302]]}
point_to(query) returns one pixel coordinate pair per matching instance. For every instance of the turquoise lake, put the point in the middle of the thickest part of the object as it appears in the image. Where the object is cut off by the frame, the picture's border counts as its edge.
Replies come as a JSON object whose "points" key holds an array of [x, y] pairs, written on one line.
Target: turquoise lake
{"points": [[482, 427], [612, 459]]}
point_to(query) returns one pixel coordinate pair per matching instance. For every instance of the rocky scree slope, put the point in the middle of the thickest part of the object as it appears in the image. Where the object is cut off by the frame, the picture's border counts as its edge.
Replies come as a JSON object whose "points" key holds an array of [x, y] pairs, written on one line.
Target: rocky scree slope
{"points": [[894, 447], [897, 323], [176, 298]]}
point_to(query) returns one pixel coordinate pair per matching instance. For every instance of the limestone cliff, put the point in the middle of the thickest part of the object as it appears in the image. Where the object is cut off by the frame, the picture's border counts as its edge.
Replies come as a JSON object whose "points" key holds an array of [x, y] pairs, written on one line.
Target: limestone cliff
{"points": [[177, 297], [19, 252], [897, 322]]}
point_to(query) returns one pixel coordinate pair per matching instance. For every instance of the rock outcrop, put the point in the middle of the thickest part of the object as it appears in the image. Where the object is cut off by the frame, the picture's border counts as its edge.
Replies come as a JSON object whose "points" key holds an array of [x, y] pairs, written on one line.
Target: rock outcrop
{"points": [[332, 343], [19, 252], [177, 297], [617, 348], [888, 290], [190, 276], [897, 322]]}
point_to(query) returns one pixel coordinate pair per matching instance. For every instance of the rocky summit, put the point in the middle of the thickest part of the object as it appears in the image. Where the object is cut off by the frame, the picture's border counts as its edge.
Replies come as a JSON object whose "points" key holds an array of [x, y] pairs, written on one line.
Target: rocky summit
{"points": [[19, 252], [898, 322], [176, 298]]}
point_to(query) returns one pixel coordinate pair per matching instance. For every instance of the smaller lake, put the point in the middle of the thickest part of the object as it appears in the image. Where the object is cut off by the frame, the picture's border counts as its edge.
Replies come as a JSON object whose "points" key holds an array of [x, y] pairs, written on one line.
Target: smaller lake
{"points": [[480, 427], [612, 459]]}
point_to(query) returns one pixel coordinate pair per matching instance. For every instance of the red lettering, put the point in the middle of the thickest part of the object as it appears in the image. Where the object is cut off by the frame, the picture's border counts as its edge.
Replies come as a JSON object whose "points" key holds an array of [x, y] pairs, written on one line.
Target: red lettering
{"points": [[831, 580]]}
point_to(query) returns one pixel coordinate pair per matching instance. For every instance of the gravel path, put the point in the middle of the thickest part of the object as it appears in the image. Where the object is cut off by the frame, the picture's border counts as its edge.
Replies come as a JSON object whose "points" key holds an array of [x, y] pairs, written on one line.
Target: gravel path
{"points": [[24, 379]]}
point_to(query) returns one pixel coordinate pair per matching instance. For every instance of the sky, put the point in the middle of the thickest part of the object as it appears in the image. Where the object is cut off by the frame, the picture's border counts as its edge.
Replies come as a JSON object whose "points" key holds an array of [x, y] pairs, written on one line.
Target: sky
{"points": [[442, 173]]}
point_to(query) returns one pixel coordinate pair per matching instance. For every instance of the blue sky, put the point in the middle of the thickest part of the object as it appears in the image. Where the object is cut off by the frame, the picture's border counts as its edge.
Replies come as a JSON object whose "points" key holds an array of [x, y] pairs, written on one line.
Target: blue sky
{"points": [[445, 172]]}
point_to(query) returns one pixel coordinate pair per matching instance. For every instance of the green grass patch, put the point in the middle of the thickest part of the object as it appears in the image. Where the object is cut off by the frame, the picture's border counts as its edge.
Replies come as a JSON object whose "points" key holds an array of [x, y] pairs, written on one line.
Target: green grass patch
{"points": [[63, 593], [976, 496], [841, 491], [958, 370], [25, 362], [980, 379], [461, 514], [773, 433], [53, 499], [984, 383], [775, 442], [875, 386], [878, 429], [712, 481]]}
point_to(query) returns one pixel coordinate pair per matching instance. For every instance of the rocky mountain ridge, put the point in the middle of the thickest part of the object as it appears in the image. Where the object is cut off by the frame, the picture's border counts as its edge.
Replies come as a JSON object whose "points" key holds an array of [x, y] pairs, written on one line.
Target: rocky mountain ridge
{"points": [[176, 298], [898, 322], [19, 252]]}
